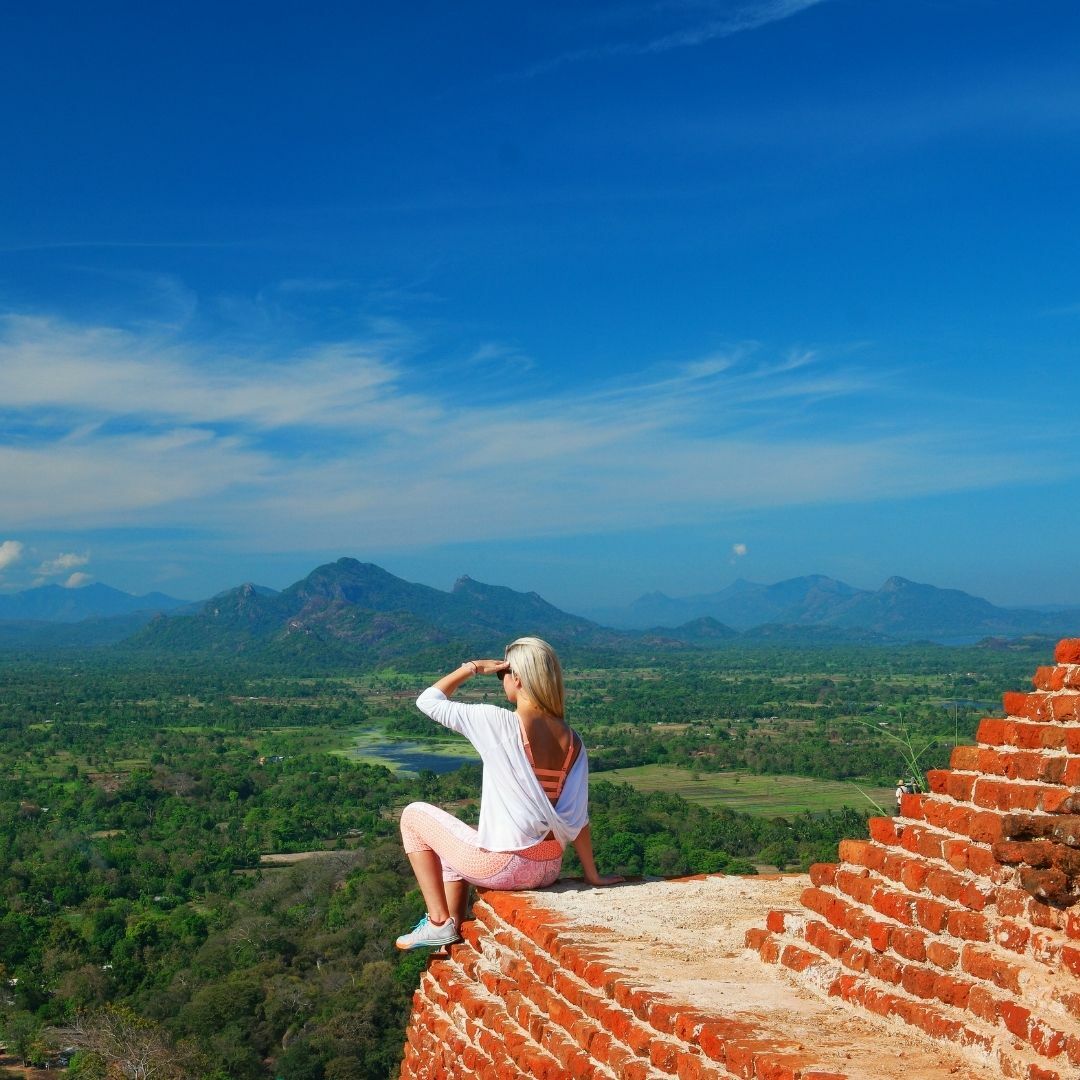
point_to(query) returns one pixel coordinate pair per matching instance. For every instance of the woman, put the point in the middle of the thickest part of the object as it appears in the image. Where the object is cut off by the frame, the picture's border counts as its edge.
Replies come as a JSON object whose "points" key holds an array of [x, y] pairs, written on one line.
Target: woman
{"points": [[534, 799]]}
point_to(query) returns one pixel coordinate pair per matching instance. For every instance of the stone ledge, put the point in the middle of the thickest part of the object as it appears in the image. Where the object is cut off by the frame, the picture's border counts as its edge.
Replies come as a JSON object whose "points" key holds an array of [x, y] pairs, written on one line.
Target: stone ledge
{"points": [[648, 980]]}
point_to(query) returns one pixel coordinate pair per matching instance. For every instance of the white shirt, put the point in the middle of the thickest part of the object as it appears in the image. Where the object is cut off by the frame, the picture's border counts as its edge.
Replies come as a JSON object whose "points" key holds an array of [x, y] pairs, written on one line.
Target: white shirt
{"points": [[515, 812]]}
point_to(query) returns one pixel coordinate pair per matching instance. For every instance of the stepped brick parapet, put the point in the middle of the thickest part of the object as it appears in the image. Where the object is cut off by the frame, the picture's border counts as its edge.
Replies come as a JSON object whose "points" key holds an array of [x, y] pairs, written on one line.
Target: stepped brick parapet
{"points": [[956, 915], [943, 945], [647, 981]]}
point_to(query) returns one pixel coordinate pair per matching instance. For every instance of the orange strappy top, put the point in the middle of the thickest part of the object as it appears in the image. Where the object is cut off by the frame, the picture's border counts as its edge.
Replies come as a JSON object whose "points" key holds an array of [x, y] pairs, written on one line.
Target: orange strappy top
{"points": [[551, 780]]}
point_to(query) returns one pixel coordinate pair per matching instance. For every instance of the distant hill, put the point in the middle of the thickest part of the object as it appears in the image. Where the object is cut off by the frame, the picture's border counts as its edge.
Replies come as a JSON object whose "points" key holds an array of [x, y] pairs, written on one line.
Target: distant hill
{"points": [[53, 603], [358, 613], [349, 613], [39, 638], [704, 631], [900, 610]]}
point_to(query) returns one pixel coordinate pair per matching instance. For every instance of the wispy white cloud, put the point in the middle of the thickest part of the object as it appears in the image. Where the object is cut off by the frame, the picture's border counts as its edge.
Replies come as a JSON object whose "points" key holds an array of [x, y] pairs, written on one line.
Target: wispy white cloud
{"points": [[11, 551], [61, 564], [701, 23], [356, 445], [77, 580]]}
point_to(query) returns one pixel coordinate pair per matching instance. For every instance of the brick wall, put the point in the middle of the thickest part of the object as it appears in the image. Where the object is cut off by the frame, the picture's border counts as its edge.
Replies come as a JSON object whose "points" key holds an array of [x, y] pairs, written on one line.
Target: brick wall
{"points": [[956, 916], [953, 919], [527, 995]]}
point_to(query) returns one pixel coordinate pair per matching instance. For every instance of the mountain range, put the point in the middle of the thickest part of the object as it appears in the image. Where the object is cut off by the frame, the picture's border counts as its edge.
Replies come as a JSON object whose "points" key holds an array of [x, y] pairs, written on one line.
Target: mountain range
{"points": [[53, 603], [359, 614], [901, 609], [354, 612]]}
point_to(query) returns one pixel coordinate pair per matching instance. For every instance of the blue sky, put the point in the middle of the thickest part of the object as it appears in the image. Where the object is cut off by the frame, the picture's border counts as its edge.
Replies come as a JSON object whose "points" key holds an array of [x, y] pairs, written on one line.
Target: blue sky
{"points": [[586, 298]]}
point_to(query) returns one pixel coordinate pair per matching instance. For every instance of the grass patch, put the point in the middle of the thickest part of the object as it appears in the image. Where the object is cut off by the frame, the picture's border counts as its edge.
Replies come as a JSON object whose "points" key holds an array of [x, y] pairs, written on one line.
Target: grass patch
{"points": [[770, 796]]}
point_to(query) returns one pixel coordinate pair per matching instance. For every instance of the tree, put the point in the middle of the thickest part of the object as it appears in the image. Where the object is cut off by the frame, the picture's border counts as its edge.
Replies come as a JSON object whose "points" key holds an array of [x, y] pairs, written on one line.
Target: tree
{"points": [[129, 1045], [22, 1031]]}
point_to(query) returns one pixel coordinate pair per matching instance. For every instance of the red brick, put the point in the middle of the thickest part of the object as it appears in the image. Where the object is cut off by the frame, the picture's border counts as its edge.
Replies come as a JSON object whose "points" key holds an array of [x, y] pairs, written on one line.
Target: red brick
{"points": [[945, 883], [1033, 766], [932, 915], [913, 874], [769, 951], [1022, 796], [1053, 738], [1067, 651], [823, 873], [958, 820], [856, 884], [911, 806], [910, 944], [1045, 1040], [989, 968], [852, 851], [959, 786], [1013, 903], [1037, 1072], [928, 845], [878, 934], [1016, 704], [828, 941], [936, 811], [1052, 799], [1015, 1017], [1011, 936], [855, 959], [942, 955], [937, 779], [985, 828], [980, 861], [883, 830], [895, 905], [955, 853], [968, 925], [919, 981], [1070, 957], [741, 1054], [885, 968], [965, 758], [991, 762], [991, 794], [663, 1015], [664, 1055], [1049, 678], [893, 863], [816, 900], [983, 1004], [992, 732], [774, 921], [952, 991]]}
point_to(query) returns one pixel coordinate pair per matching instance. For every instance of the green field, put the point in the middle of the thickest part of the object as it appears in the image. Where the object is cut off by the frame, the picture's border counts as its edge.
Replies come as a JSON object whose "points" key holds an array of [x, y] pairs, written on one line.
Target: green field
{"points": [[771, 796]]}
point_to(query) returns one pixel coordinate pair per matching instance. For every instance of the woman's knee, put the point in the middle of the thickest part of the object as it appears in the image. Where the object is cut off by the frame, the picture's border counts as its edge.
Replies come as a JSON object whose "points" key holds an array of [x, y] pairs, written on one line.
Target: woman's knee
{"points": [[411, 822]]}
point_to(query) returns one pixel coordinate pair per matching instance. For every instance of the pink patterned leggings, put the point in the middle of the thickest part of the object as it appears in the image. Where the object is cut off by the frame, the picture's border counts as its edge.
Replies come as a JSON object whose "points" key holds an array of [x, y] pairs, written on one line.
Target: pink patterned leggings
{"points": [[427, 828]]}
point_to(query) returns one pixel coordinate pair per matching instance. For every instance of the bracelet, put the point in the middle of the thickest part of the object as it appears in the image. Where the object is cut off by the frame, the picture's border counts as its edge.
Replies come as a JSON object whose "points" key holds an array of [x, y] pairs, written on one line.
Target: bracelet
{"points": [[472, 663]]}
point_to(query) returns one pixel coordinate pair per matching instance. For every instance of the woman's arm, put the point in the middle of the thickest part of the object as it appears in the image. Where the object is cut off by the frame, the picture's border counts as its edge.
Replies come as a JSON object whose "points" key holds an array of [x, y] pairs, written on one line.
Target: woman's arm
{"points": [[583, 847], [450, 683]]}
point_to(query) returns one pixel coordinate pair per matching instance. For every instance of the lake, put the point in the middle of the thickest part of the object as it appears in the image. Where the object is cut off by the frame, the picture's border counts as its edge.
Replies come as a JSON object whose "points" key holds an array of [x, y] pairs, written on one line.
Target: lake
{"points": [[403, 755]]}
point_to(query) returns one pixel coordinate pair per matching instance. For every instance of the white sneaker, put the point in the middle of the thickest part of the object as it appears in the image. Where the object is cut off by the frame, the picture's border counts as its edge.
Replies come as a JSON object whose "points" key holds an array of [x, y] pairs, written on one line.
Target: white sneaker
{"points": [[425, 934]]}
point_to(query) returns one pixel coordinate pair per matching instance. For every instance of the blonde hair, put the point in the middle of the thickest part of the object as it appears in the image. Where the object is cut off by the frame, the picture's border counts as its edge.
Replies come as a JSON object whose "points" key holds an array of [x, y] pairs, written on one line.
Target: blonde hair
{"points": [[534, 662]]}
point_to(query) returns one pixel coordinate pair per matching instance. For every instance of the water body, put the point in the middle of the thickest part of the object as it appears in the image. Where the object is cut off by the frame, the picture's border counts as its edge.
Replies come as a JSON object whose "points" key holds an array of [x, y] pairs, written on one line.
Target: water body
{"points": [[402, 755]]}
